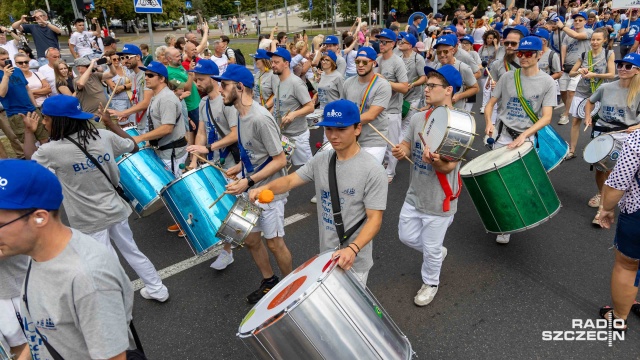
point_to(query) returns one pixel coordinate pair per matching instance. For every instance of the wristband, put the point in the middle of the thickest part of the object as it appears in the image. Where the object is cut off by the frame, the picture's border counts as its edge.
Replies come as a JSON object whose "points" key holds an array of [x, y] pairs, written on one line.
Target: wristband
{"points": [[353, 250], [353, 243]]}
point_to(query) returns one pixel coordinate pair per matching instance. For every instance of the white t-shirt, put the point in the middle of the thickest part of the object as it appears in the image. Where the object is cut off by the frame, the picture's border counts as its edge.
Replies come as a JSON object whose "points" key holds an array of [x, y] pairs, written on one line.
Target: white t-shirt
{"points": [[12, 49], [222, 62], [82, 41], [34, 83], [47, 73]]}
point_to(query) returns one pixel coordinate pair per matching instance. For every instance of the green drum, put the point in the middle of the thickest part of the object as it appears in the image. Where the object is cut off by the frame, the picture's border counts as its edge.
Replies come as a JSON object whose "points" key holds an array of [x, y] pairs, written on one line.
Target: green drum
{"points": [[510, 189]]}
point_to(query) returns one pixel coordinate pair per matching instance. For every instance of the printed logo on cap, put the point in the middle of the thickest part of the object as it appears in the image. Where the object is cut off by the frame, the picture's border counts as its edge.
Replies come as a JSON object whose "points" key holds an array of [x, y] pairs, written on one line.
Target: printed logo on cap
{"points": [[363, 53], [527, 43], [628, 57], [334, 113]]}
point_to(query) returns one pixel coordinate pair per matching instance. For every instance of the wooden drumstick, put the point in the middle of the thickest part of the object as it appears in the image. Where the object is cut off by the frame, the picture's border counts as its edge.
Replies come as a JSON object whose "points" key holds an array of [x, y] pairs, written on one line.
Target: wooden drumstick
{"points": [[212, 164], [388, 141], [218, 199], [113, 93]]}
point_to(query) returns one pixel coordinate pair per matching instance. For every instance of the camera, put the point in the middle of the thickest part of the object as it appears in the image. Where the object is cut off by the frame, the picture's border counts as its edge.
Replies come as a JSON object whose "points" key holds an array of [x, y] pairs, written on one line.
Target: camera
{"points": [[30, 18], [484, 63]]}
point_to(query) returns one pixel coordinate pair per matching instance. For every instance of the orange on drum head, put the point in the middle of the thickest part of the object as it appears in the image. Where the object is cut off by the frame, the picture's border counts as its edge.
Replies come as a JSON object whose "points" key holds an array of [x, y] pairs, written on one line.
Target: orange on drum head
{"points": [[286, 293], [307, 263]]}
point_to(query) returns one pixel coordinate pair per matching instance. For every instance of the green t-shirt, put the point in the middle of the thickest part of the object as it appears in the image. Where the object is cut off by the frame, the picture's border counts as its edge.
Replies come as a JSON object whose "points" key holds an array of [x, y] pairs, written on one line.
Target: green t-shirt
{"points": [[179, 73], [147, 59]]}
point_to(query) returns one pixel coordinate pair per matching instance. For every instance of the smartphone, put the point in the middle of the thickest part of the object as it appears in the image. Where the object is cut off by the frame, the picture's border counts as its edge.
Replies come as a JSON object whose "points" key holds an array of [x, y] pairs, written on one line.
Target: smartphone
{"points": [[101, 61], [8, 62]]}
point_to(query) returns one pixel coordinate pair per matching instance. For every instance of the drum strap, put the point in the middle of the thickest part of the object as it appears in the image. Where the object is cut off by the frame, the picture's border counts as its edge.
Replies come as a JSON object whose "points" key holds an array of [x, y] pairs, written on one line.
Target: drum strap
{"points": [[525, 105], [448, 193], [335, 205], [213, 137], [367, 91], [244, 157]]}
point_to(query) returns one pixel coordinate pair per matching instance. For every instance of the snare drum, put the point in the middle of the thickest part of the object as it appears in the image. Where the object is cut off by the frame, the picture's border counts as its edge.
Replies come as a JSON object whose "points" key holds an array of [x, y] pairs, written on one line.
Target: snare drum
{"points": [[603, 152], [132, 131], [510, 189], [188, 199], [326, 146], [240, 220], [320, 311], [594, 112], [313, 119], [449, 132], [289, 146], [142, 176], [551, 148]]}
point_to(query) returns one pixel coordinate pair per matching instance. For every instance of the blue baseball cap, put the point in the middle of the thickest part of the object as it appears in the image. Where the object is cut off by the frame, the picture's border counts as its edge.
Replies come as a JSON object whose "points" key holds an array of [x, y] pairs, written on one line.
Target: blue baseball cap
{"points": [[553, 17], [530, 43], [467, 38], [367, 52], [451, 28], [408, 38], [65, 106], [581, 13], [158, 68], [521, 29], [438, 16], [283, 53], [393, 10], [25, 184], [542, 33], [387, 34], [561, 18], [448, 39], [340, 114], [130, 49], [631, 58], [237, 73], [498, 27], [261, 54], [206, 67], [450, 73], [331, 40], [331, 56]]}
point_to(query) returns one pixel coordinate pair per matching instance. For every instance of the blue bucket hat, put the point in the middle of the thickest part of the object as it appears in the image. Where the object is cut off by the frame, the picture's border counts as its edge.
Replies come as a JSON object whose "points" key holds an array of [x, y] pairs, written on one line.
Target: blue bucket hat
{"points": [[25, 184], [542, 33], [631, 58], [450, 73], [521, 29], [582, 14], [331, 40], [448, 39], [283, 53], [64, 106], [206, 67], [158, 68], [367, 52], [340, 114], [387, 34], [467, 38], [130, 49], [408, 38], [237, 73], [261, 54], [530, 43]]}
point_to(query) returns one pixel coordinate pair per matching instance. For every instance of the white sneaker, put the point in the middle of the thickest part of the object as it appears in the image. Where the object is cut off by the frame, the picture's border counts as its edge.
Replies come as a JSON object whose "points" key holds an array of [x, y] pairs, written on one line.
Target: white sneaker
{"points": [[145, 294], [425, 295], [314, 200], [503, 238], [564, 120], [482, 110], [444, 253], [223, 260]]}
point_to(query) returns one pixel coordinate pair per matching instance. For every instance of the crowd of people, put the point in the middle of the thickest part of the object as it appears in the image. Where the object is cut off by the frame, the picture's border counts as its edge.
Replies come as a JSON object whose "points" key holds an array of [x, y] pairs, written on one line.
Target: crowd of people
{"points": [[373, 91]]}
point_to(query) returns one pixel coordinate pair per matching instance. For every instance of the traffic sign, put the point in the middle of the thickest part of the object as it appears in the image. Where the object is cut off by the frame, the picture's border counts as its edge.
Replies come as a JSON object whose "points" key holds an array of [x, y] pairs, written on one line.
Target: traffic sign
{"points": [[236, 3], [93, 5], [310, 5], [187, 4], [148, 6]]}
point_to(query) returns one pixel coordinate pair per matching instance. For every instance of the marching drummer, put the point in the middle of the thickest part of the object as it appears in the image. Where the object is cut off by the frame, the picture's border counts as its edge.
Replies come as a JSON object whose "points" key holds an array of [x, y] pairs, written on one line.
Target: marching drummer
{"points": [[618, 110], [522, 110], [361, 190], [430, 203], [261, 160], [218, 138], [90, 199]]}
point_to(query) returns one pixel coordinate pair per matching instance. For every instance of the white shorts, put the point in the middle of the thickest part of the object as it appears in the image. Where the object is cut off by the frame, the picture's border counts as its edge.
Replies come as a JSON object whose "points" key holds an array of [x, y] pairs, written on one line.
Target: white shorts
{"points": [[11, 334], [302, 153], [271, 221], [573, 110], [568, 83], [176, 164], [377, 152], [505, 139]]}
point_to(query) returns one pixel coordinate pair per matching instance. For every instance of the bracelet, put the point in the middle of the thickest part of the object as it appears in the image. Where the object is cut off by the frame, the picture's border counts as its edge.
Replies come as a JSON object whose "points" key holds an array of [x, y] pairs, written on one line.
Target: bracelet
{"points": [[353, 250], [353, 243]]}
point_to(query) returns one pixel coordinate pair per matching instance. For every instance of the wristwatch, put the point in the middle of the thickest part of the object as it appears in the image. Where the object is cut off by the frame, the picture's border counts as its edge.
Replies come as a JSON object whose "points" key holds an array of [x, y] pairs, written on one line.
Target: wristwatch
{"points": [[250, 181]]}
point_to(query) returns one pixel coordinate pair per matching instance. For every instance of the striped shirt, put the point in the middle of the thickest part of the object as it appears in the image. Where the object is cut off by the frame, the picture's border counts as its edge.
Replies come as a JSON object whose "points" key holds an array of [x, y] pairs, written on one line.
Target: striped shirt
{"points": [[626, 175]]}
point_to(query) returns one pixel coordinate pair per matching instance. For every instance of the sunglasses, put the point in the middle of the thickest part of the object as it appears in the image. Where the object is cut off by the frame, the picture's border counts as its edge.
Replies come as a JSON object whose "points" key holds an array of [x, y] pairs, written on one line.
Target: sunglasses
{"points": [[402, 42], [385, 42], [22, 62], [526, 54], [431, 86], [442, 52], [625, 66], [447, 32], [362, 62], [126, 57], [150, 75], [511, 43]]}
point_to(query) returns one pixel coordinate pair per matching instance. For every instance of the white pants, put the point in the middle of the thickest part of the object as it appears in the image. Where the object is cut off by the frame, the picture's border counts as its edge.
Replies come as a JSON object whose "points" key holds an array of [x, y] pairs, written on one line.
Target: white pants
{"points": [[122, 237], [407, 119], [377, 152], [271, 221], [486, 93], [395, 131], [176, 164], [468, 106], [424, 233], [302, 154], [505, 139], [361, 276], [568, 83], [11, 334]]}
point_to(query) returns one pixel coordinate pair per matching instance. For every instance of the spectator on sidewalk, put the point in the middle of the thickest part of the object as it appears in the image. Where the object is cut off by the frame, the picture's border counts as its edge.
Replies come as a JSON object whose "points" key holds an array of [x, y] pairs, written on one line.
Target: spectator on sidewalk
{"points": [[45, 34]]}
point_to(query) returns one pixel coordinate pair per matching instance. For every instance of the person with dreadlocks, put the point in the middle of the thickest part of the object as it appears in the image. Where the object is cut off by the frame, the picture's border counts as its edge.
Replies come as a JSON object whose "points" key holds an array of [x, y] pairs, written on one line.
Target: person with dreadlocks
{"points": [[83, 159]]}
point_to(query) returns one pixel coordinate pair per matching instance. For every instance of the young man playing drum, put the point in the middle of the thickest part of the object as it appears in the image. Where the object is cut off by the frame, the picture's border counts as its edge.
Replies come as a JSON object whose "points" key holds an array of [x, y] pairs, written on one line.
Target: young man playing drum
{"points": [[217, 135], [361, 190], [523, 110], [262, 160], [429, 208]]}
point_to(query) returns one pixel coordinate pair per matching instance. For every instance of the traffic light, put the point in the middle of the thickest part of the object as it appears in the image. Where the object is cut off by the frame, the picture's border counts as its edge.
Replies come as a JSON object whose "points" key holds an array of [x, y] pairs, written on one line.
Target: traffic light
{"points": [[84, 6]]}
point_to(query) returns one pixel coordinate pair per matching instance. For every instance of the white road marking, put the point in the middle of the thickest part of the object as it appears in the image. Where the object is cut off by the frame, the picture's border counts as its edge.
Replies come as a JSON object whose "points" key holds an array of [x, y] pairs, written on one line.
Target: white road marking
{"points": [[196, 260]]}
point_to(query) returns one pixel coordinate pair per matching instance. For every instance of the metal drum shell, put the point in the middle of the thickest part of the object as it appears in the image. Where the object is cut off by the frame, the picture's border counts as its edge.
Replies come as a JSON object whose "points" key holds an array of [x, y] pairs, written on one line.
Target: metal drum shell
{"points": [[313, 119], [142, 177], [551, 148], [603, 152], [132, 131], [336, 304], [239, 222], [511, 196], [326, 146], [188, 198], [450, 132]]}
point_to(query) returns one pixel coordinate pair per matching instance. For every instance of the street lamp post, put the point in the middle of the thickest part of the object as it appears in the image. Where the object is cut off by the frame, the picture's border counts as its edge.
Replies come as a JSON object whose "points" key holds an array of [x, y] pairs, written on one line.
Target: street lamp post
{"points": [[237, 3]]}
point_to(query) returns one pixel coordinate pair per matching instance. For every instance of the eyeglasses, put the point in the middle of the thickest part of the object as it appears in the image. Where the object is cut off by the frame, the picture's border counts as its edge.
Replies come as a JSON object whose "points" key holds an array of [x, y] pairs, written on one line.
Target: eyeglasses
{"points": [[526, 54], [447, 32], [20, 217], [150, 75], [442, 52], [115, 59], [362, 62], [325, 59], [431, 86], [22, 62], [126, 57], [402, 42], [511, 44], [625, 66], [385, 42]]}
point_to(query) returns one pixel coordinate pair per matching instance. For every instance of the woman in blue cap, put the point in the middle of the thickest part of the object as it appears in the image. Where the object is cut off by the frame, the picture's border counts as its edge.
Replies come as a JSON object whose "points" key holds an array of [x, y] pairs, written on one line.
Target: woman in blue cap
{"points": [[262, 90]]}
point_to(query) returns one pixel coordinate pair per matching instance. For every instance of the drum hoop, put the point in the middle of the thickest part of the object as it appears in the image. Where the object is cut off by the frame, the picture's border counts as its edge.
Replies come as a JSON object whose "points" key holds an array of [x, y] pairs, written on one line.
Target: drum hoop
{"points": [[447, 131], [522, 155], [584, 152], [184, 175], [126, 155]]}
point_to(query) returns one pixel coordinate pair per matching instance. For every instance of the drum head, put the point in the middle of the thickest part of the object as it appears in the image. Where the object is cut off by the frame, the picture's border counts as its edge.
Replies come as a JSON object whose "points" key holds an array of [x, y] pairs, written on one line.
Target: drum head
{"points": [[495, 158], [284, 296], [436, 128], [326, 146], [598, 148]]}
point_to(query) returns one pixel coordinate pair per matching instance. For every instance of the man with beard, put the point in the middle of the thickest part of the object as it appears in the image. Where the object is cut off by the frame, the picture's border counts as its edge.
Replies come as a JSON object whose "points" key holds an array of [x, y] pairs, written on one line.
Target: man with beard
{"points": [[218, 137], [291, 104], [262, 160]]}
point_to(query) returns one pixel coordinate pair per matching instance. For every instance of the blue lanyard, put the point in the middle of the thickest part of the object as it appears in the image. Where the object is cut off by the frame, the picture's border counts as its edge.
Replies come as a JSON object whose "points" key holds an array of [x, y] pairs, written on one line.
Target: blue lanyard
{"points": [[213, 133], [244, 157]]}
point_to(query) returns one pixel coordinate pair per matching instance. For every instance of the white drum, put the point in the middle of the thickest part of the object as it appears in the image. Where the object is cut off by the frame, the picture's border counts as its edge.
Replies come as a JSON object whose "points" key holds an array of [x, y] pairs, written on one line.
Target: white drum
{"points": [[449, 132], [603, 152], [594, 112], [313, 119], [326, 146], [320, 311]]}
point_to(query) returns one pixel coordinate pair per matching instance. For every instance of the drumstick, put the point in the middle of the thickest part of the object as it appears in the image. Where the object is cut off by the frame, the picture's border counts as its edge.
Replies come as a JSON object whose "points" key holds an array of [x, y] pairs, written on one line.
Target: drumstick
{"points": [[218, 199], [424, 143], [388, 141], [113, 93], [212, 164]]}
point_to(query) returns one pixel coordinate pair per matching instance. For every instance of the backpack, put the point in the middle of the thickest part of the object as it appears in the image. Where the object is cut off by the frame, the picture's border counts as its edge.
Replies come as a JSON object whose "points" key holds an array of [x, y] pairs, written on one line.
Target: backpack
{"points": [[239, 57]]}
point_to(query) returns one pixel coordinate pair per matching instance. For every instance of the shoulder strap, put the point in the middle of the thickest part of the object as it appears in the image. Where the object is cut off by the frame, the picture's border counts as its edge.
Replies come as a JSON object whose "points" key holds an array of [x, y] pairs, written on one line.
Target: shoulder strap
{"points": [[212, 119], [335, 205], [525, 105], [93, 160]]}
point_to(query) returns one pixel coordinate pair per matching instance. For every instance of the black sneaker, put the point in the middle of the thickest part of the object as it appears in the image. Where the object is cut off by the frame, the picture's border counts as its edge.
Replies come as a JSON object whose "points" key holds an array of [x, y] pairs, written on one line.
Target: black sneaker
{"points": [[265, 286]]}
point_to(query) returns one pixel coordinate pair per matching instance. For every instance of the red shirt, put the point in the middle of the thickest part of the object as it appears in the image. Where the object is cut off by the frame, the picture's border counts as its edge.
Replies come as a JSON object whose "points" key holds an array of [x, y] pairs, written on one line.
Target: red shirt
{"points": [[186, 63]]}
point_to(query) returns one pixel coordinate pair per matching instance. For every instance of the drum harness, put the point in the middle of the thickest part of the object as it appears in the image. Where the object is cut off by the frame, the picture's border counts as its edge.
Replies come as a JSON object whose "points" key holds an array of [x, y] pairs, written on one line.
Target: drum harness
{"points": [[134, 100], [525, 106], [213, 137], [244, 157], [172, 145], [335, 206]]}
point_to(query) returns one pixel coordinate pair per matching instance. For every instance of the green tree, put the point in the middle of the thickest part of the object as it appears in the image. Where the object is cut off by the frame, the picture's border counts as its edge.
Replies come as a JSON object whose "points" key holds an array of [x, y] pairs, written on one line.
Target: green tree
{"points": [[319, 12], [348, 9]]}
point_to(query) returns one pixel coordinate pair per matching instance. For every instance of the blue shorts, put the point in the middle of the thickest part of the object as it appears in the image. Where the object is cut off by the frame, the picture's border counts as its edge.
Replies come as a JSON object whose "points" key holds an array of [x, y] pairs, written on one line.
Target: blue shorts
{"points": [[627, 239], [194, 115]]}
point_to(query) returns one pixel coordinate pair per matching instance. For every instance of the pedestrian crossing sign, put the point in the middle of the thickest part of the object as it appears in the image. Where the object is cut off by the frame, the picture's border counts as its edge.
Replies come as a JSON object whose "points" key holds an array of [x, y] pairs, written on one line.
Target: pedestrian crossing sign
{"points": [[148, 6]]}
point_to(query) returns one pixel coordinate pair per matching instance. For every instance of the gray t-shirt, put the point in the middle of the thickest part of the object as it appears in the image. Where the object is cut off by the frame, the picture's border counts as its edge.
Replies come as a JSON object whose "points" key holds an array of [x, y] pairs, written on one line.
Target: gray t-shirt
{"points": [[487, 53], [138, 87], [262, 86], [90, 201], [414, 65], [362, 184], [380, 93], [260, 137], [81, 301], [614, 110], [290, 95], [543, 63], [165, 109], [498, 67], [425, 192], [341, 64], [538, 90], [12, 272], [225, 116], [394, 71], [583, 89], [575, 48], [330, 88], [464, 56], [468, 79]]}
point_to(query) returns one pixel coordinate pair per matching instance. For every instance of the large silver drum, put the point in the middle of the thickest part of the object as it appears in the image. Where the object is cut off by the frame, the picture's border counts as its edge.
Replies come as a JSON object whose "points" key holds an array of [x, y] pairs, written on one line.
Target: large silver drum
{"points": [[320, 311], [313, 119], [449, 132]]}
